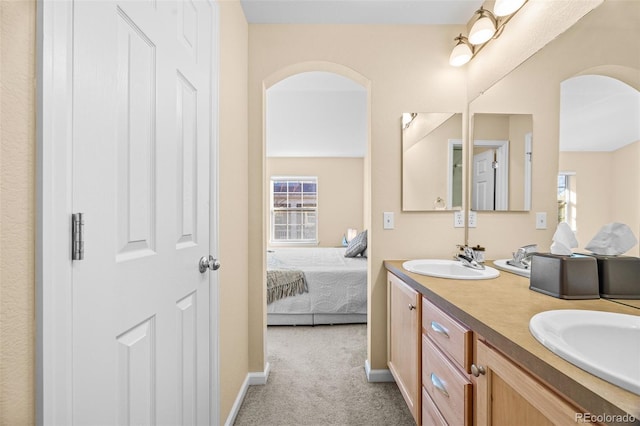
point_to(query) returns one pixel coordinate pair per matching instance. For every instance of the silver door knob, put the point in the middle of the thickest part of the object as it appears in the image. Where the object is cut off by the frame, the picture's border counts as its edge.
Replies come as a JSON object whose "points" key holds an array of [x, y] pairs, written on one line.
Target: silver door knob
{"points": [[208, 262]]}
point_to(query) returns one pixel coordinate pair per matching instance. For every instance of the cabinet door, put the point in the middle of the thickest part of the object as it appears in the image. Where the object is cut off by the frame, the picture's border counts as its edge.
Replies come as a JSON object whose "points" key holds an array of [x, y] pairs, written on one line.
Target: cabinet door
{"points": [[404, 341], [507, 395]]}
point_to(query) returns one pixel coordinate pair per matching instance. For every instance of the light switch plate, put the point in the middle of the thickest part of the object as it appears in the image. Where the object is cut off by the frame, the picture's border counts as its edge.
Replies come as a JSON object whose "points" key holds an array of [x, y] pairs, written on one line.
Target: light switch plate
{"points": [[458, 219], [541, 220], [387, 220]]}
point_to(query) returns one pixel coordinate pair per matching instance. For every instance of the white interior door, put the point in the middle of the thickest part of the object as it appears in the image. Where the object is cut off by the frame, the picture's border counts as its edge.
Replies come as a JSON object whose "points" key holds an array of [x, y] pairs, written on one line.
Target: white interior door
{"points": [[142, 87], [483, 181]]}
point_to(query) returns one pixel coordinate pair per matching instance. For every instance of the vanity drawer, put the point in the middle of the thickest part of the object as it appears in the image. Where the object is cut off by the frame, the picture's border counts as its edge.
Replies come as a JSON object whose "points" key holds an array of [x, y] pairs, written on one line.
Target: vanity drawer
{"points": [[452, 337], [430, 413], [448, 388]]}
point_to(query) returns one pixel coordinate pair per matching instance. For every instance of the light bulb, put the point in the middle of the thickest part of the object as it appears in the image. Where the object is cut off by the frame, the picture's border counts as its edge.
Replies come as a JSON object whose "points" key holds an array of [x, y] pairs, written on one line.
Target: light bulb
{"points": [[460, 55], [482, 31], [507, 7]]}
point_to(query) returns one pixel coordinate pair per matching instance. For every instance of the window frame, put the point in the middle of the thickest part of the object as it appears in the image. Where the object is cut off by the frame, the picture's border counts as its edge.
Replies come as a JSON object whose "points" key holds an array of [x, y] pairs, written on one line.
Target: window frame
{"points": [[273, 209]]}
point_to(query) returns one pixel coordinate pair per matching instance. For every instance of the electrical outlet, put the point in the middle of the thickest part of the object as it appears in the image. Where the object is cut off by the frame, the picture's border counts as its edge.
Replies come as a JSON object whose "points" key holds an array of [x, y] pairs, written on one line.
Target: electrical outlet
{"points": [[458, 219], [473, 219], [387, 222], [541, 220]]}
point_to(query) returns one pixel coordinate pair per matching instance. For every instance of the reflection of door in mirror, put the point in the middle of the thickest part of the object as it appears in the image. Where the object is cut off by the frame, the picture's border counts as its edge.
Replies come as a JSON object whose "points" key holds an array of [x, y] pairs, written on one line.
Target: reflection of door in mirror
{"points": [[511, 135], [599, 158], [484, 180], [490, 175], [431, 161]]}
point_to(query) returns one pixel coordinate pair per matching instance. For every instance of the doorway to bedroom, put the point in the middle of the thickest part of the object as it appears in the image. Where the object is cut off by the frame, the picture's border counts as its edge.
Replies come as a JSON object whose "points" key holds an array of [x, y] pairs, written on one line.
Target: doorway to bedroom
{"points": [[316, 133]]}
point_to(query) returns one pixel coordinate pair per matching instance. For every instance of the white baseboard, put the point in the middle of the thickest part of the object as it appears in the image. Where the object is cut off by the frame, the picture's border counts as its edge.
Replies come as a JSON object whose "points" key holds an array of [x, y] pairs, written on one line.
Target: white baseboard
{"points": [[260, 378], [377, 376], [252, 379]]}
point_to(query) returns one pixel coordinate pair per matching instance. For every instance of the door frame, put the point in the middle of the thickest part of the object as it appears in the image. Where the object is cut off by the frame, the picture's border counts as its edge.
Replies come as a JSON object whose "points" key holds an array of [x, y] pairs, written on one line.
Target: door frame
{"points": [[452, 144], [54, 106]]}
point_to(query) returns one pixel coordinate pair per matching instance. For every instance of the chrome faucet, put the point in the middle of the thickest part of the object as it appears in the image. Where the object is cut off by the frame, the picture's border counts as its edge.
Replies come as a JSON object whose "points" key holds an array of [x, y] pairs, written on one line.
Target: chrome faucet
{"points": [[522, 256], [468, 258]]}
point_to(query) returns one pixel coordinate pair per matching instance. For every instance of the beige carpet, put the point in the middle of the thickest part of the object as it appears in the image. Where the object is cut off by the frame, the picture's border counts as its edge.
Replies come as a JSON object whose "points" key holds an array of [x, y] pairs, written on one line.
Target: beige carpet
{"points": [[317, 378]]}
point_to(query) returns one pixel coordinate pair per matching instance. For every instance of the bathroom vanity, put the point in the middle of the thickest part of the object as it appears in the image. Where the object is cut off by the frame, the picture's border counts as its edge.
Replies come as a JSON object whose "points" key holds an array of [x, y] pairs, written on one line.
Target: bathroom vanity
{"points": [[462, 354]]}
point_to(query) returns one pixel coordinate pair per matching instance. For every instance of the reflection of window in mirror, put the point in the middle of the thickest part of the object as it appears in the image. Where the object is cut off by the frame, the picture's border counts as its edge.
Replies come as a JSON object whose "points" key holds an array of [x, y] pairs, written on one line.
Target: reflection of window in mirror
{"points": [[567, 207]]}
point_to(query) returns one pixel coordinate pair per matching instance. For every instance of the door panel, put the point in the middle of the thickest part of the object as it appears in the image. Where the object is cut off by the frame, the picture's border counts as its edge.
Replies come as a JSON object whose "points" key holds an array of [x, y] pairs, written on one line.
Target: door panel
{"points": [[483, 181], [187, 161], [136, 138], [142, 115], [136, 374]]}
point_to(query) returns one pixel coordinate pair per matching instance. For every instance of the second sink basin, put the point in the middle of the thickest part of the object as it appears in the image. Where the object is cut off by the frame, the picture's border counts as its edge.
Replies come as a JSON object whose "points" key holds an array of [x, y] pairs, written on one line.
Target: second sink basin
{"points": [[451, 269], [502, 264], [605, 344]]}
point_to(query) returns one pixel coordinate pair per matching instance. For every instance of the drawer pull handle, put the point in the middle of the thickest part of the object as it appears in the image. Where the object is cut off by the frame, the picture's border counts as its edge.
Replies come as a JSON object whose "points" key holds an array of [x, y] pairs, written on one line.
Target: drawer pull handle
{"points": [[439, 329], [477, 370], [439, 385]]}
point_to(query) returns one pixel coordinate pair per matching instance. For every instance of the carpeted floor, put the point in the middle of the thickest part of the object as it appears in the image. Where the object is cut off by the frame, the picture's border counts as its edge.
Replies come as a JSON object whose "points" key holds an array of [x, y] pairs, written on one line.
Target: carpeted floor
{"points": [[317, 378]]}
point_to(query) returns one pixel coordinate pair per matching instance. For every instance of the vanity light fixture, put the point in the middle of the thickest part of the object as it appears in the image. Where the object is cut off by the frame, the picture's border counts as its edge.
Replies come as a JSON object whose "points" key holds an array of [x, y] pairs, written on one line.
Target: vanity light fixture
{"points": [[462, 53], [407, 119], [507, 7], [487, 26], [484, 28]]}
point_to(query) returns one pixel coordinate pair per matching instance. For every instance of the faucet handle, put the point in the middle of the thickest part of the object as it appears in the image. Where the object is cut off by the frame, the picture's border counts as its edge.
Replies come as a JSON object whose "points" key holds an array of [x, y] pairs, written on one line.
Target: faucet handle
{"points": [[468, 251]]}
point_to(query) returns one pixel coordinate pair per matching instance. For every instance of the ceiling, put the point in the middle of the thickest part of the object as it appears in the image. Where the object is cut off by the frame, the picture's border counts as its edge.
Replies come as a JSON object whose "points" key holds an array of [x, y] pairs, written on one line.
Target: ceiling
{"points": [[430, 12], [598, 113]]}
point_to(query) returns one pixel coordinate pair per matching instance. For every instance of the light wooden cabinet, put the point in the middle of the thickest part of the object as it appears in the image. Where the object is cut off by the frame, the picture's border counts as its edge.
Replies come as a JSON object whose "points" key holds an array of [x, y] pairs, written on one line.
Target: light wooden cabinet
{"points": [[403, 344], [446, 361], [507, 395], [450, 375]]}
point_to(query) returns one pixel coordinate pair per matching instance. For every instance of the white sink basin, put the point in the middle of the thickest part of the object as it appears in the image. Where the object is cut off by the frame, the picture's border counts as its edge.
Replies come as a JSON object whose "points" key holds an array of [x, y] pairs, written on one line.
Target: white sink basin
{"points": [[502, 264], [605, 344], [452, 269]]}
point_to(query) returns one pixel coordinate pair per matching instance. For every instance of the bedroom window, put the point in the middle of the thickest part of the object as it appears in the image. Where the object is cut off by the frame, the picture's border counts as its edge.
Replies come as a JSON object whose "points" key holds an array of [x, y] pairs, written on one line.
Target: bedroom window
{"points": [[294, 210]]}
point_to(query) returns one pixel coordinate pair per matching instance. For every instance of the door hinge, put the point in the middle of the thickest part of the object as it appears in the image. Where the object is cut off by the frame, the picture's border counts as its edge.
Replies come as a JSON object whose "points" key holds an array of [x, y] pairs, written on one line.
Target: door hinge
{"points": [[494, 165], [77, 236]]}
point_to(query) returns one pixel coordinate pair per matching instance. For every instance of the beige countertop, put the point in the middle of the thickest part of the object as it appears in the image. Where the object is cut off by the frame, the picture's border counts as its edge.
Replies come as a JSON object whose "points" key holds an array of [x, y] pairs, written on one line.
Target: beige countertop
{"points": [[500, 309]]}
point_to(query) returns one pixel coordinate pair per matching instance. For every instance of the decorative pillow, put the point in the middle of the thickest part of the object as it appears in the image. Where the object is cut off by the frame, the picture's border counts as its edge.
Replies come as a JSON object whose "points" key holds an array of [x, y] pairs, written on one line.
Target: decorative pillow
{"points": [[357, 245]]}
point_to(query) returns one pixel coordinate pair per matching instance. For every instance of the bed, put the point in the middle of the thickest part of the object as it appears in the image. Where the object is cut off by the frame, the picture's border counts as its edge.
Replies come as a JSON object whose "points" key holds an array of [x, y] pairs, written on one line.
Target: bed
{"points": [[336, 287]]}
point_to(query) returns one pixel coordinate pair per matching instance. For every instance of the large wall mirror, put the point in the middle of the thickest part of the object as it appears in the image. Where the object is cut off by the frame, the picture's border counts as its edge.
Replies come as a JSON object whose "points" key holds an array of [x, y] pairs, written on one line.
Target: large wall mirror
{"points": [[599, 154], [580, 95], [501, 162], [432, 159]]}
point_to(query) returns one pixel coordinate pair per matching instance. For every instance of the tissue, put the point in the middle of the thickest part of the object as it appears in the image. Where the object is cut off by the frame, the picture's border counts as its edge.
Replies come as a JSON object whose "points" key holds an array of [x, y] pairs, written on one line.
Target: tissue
{"points": [[613, 239], [563, 240]]}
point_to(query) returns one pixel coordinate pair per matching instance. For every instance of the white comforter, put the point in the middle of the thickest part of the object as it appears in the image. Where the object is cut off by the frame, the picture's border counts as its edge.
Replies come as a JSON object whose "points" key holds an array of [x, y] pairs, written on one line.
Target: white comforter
{"points": [[337, 284]]}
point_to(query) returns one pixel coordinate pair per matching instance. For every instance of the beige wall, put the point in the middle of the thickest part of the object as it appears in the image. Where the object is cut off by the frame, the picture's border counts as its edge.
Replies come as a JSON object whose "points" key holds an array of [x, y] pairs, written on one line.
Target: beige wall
{"points": [[534, 88], [340, 192], [404, 73], [17, 214], [234, 205], [607, 190]]}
